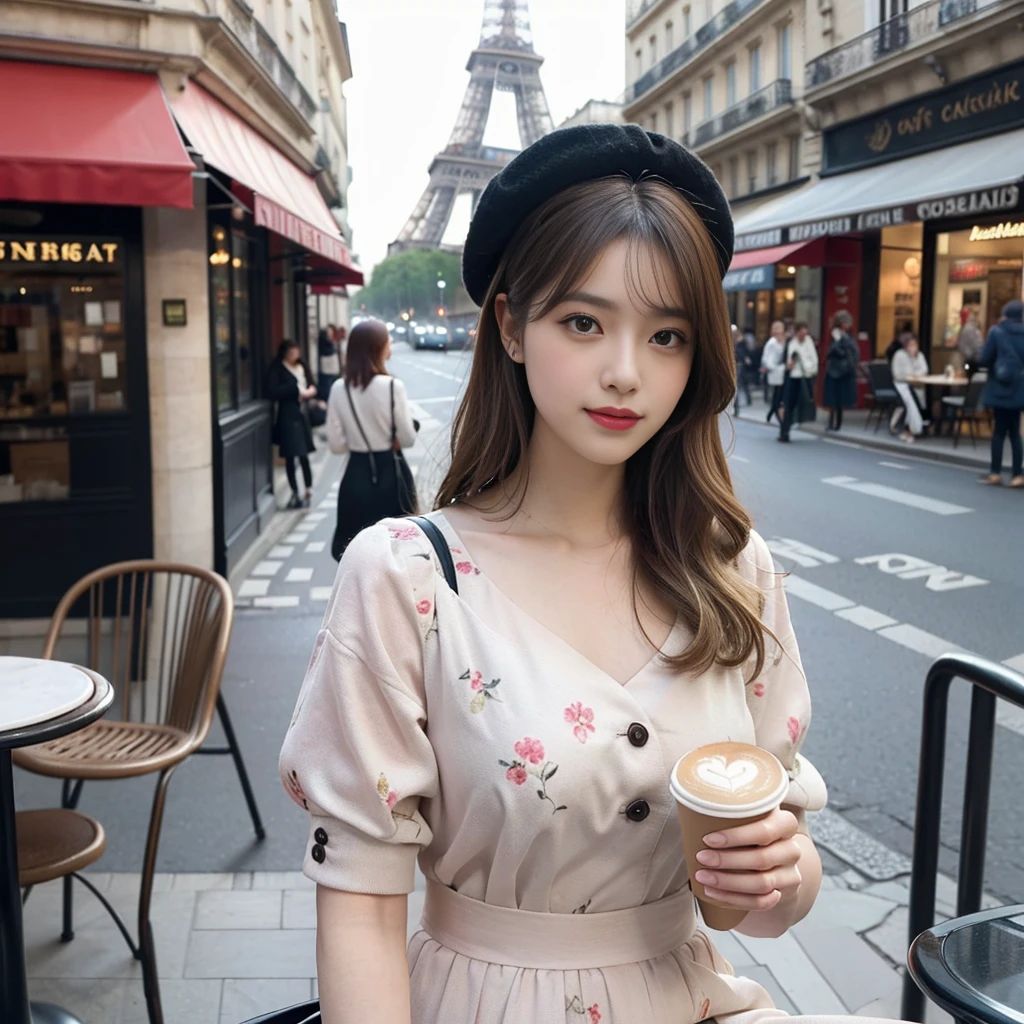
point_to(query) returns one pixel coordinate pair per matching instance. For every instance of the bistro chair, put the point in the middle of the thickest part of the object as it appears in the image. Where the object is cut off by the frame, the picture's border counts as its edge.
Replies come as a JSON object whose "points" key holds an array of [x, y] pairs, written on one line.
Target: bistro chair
{"points": [[885, 399], [967, 407], [159, 632], [300, 1013]]}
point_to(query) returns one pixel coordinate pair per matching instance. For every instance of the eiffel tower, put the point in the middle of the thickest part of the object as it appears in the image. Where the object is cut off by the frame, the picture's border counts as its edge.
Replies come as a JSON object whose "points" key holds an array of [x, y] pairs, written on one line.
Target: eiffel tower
{"points": [[503, 59]]}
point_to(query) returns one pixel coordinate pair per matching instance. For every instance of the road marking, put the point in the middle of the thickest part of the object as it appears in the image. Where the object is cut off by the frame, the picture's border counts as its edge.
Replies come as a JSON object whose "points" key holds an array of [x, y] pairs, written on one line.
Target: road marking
{"points": [[866, 618], [327, 503], [281, 551], [939, 508], [275, 602], [297, 536], [920, 640], [1016, 663], [254, 588], [737, 458], [301, 574], [320, 593], [803, 554], [894, 465], [816, 595], [267, 569], [437, 373], [315, 517], [314, 547], [910, 567], [428, 401]]}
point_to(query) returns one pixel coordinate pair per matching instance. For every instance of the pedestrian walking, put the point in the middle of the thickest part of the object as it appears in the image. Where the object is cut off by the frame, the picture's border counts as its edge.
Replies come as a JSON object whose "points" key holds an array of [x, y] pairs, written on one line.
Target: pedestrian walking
{"points": [[329, 362], [802, 371], [909, 361], [743, 353], [368, 420], [290, 386], [969, 341], [773, 366], [841, 364], [1003, 354], [609, 609]]}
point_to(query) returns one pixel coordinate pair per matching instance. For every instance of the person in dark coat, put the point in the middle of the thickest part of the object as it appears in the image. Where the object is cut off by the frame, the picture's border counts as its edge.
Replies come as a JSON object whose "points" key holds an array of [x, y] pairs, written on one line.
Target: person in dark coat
{"points": [[841, 362], [1003, 355], [290, 385], [329, 361]]}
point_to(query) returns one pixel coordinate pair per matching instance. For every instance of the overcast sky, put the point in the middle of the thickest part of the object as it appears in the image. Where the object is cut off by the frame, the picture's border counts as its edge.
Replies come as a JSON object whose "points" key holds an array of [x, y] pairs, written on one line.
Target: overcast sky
{"points": [[408, 61]]}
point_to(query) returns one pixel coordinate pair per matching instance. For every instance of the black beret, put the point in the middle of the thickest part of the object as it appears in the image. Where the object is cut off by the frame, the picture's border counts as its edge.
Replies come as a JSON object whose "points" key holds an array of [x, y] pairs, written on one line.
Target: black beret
{"points": [[573, 155]]}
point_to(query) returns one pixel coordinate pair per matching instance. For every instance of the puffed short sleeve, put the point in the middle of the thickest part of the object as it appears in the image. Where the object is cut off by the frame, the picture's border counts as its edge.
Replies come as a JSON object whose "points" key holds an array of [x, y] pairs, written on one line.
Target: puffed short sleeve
{"points": [[356, 755], [778, 697]]}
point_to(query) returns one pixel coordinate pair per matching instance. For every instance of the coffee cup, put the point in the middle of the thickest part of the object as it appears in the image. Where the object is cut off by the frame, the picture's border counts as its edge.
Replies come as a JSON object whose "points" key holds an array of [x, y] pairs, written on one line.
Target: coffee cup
{"points": [[723, 786]]}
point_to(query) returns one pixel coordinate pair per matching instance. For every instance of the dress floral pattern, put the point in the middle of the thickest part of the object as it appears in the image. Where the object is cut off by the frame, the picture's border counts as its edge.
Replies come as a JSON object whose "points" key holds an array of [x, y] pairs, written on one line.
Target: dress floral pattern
{"points": [[411, 749]]}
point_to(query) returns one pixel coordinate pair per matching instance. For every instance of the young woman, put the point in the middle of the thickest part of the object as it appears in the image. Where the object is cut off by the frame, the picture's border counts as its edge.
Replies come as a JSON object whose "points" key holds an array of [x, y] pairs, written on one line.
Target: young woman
{"points": [[802, 367], [908, 362], [614, 610], [368, 419], [290, 385]]}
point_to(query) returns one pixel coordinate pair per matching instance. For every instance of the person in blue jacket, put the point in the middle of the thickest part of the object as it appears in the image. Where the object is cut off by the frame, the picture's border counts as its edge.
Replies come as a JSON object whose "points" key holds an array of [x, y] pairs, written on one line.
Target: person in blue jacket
{"points": [[1003, 355]]}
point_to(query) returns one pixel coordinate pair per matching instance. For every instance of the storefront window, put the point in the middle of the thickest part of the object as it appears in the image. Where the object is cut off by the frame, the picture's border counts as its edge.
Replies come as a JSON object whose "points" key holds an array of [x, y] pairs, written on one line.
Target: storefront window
{"points": [[220, 301], [63, 353], [977, 271], [899, 284], [241, 306]]}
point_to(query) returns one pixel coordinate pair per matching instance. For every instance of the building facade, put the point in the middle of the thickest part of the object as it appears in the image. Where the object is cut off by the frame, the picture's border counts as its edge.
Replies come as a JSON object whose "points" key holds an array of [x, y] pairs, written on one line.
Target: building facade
{"points": [[158, 237], [917, 108], [726, 80]]}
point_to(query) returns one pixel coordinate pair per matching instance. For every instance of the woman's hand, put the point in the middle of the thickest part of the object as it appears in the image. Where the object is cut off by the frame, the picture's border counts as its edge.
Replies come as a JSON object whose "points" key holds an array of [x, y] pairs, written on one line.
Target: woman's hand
{"points": [[308, 392], [753, 867]]}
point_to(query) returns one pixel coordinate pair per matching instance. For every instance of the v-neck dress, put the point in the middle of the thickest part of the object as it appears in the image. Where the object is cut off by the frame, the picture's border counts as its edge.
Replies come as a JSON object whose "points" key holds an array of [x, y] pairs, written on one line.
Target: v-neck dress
{"points": [[531, 786]]}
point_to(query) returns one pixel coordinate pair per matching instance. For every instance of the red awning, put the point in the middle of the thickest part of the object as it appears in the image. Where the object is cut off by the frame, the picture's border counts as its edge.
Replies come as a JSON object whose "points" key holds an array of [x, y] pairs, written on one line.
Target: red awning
{"points": [[285, 198], [778, 253], [89, 135]]}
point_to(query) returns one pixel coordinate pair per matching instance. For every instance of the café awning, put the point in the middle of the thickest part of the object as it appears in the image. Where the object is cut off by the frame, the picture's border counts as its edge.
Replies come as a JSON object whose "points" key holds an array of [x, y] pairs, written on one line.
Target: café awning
{"points": [[285, 198], [974, 178], [754, 269], [89, 135]]}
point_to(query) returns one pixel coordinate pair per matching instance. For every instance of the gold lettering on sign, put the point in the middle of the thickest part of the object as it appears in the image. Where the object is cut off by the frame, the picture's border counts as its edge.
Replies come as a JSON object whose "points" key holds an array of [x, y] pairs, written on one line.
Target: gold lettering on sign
{"points": [[94, 255], [110, 248], [49, 251], [920, 122], [880, 137], [23, 251], [1005, 230], [71, 252], [40, 251], [970, 104]]}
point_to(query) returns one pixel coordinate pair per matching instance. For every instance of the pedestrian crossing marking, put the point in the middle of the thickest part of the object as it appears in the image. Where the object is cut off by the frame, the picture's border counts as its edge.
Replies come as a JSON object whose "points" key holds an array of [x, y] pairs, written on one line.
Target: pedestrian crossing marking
{"points": [[314, 547], [300, 574], [894, 465], [320, 593], [894, 494], [297, 537], [279, 601], [254, 588], [281, 551], [327, 503], [316, 517], [267, 568]]}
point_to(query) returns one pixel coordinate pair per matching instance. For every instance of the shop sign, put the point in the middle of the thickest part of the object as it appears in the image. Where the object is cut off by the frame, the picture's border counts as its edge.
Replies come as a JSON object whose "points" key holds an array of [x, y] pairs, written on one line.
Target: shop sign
{"points": [[1007, 230], [759, 240], [963, 205], [983, 105], [749, 279], [38, 250]]}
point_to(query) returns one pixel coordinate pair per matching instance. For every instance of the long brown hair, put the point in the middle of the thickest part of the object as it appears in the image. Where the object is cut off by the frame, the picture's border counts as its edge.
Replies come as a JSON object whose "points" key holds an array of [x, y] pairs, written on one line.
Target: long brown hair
{"points": [[364, 357], [685, 525]]}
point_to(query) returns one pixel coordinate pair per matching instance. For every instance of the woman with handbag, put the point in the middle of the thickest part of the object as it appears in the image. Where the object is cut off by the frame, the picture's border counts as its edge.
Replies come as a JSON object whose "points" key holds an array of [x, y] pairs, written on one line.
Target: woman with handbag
{"points": [[290, 386], [802, 370], [368, 420], [1004, 391]]}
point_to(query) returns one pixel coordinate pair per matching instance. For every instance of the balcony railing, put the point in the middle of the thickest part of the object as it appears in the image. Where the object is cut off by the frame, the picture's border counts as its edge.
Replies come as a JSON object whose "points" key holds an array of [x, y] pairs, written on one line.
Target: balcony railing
{"points": [[893, 36], [636, 9], [777, 94], [238, 16], [686, 51]]}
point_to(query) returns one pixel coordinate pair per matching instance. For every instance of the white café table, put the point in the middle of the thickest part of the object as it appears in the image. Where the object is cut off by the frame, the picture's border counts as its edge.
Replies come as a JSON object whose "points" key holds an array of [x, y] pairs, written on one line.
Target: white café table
{"points": [[39, 701]]}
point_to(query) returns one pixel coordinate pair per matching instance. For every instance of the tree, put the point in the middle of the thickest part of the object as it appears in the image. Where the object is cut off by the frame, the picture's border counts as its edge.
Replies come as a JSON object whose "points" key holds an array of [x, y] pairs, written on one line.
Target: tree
{"points": [[409, 280]]}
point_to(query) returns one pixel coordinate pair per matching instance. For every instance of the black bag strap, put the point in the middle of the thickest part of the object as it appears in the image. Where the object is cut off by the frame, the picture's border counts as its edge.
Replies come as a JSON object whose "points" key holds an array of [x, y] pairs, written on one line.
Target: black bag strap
{"points": [[440, 545], [394, 428], [366, 440]]}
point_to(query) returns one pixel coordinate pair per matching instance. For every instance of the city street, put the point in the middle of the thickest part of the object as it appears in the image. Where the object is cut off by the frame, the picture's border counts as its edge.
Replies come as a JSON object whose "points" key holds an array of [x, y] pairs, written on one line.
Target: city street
{"points": [[850, 525]]}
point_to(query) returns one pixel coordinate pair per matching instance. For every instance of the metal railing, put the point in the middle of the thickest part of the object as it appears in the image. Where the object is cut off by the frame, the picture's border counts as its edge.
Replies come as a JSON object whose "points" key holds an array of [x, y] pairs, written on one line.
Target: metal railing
{"points": [[774, 95], [892, 36], [689, 48], [239, 18], [989, 681]]}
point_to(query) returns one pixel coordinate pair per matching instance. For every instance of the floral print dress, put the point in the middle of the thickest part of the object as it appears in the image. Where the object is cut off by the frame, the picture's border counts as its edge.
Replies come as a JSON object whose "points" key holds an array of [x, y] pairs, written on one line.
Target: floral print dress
{"points": [[458, 730]]}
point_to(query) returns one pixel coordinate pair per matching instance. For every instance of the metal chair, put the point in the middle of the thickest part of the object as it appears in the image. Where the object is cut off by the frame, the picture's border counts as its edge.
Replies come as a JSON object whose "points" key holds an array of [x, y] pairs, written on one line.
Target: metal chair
{"points": [[884, 396], [300, 1013], [967, 407], [159, 632]]}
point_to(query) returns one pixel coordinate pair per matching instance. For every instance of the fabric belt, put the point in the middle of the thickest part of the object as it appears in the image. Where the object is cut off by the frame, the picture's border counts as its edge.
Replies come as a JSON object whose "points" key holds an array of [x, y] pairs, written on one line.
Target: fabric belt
{"points": [[566, 942]]}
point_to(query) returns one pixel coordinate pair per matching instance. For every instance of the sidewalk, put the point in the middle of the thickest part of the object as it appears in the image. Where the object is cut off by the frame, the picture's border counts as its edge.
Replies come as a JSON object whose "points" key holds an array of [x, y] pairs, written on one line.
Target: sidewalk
{"points": [[938, 449], [232, 946]]}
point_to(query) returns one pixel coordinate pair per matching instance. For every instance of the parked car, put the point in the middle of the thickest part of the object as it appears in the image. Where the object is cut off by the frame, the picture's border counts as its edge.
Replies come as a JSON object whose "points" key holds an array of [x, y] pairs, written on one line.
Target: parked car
{"points": [[437, 342]]}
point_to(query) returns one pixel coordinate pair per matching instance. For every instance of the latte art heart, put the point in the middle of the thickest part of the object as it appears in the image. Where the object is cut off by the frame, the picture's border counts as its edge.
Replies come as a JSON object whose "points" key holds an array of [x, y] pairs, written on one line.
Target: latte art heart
{"points": [[730, 777]]}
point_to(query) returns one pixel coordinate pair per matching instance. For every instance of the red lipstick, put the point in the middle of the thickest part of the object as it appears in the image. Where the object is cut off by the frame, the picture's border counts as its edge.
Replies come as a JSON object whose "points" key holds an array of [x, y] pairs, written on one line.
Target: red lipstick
{"points": [[614, 419]]}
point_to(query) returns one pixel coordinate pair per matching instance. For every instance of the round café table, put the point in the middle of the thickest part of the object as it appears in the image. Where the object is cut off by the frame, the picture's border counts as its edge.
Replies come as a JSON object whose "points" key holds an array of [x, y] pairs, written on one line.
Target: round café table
{"points": [[39, 701], [940, 382]]}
